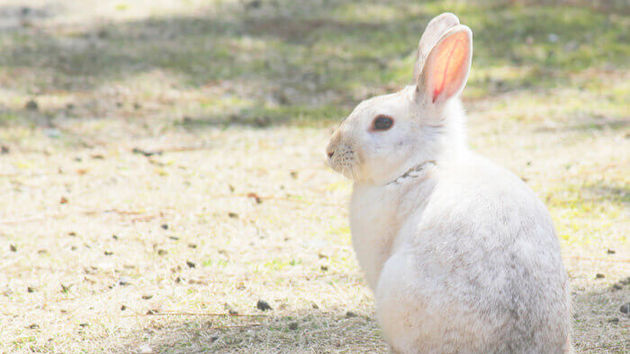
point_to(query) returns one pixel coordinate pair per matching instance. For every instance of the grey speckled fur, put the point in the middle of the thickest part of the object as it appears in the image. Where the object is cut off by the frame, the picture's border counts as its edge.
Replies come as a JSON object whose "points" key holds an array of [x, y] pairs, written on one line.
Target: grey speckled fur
{"points": [[462, 257]]}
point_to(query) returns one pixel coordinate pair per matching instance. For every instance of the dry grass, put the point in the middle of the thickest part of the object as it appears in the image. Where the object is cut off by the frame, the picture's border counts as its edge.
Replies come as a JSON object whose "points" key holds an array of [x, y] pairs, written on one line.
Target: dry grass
{"points": [[105, 249]]}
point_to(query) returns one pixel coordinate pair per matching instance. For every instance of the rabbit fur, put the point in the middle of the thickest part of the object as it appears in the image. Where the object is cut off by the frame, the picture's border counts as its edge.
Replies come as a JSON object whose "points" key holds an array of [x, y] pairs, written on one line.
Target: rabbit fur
{"points": [[460, 254]]}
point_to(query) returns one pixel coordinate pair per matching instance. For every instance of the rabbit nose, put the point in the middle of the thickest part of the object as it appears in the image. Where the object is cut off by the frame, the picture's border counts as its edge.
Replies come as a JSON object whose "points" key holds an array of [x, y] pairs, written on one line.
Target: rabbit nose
{"points": [[333, 144]]}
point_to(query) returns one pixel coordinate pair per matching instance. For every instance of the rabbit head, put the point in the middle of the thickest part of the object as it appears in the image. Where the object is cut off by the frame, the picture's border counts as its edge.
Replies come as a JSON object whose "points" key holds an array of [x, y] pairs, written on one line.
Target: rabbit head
{"points": [[387, 135]]}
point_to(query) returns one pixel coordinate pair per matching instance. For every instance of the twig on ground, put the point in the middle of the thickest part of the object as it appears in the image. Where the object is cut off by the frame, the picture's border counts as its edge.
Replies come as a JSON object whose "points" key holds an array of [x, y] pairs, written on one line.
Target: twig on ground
{"points": [[201, 314], [593, 259], [86, 212], [288, 199], [149, 153], [239, 326]]}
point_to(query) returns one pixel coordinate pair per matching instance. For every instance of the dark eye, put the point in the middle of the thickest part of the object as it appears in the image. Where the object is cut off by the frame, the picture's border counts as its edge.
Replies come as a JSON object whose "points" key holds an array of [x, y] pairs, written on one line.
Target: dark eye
{"points": [[382, 122]]}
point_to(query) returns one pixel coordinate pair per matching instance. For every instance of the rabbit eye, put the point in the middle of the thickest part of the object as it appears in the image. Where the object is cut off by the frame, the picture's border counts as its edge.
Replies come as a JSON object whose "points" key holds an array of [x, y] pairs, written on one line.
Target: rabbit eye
{"points": [[382, 122]]}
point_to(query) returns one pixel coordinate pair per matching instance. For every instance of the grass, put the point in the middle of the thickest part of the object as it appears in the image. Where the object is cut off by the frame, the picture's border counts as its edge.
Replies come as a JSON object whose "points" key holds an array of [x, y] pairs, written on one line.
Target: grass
{"points": [[163, 163]]}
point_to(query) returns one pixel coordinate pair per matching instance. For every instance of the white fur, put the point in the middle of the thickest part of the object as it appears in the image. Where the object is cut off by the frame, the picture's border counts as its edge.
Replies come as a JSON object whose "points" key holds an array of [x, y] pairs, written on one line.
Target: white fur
{"points": [[462, 257]]}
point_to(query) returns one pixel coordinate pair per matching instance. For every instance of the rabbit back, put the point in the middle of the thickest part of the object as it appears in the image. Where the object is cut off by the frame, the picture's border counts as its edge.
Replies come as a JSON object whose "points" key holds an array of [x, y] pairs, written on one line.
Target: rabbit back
{"points": [[477, 269]]}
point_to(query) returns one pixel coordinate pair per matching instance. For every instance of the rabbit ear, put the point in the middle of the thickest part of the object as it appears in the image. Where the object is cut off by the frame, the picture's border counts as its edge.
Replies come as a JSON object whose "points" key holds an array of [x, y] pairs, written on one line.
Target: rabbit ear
{"points": [[447, 66], [432, 34]]}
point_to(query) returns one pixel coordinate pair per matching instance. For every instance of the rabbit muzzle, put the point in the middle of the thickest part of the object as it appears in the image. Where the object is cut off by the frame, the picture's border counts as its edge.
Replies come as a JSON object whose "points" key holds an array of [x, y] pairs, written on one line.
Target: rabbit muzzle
{"points": [[342, 159], [341, 156]]}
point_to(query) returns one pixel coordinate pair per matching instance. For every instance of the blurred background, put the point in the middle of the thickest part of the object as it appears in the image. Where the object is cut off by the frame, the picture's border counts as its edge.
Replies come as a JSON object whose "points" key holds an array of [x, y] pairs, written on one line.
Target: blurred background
{"points": [[163, 186]]}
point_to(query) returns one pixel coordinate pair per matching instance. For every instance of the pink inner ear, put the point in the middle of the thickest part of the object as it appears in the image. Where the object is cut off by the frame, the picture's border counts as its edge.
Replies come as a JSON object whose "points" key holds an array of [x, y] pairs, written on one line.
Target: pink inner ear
{"points": [[449, 65]]}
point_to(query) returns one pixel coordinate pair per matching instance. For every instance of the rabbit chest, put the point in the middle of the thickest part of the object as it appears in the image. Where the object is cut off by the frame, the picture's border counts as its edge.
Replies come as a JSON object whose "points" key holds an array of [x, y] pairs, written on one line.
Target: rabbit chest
{"points": [[377, 214]]}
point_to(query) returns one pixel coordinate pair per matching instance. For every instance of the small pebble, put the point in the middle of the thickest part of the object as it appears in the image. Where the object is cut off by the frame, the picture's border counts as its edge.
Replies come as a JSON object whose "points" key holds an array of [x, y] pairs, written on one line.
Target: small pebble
{"points": [[254, 4], [52, 133], [124, 280], [31, 105], [262, 305], [165, 226], [625, 308]]}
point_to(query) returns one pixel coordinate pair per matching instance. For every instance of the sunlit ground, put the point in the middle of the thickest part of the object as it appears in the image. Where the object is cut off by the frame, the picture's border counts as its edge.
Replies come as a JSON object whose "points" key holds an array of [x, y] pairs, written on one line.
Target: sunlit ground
{"points": [[162, 163]]}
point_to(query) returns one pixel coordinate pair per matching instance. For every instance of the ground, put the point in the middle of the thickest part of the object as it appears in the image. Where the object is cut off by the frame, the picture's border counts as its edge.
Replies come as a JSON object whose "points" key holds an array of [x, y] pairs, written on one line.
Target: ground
{"points": [[162, 166]]}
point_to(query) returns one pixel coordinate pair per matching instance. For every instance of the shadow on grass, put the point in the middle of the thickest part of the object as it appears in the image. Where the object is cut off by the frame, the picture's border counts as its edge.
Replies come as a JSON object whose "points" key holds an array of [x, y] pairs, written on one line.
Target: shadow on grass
{"points": [[615, 194], [264, 117], [613, 124], [599, 311], [334, 53], [316, 331], [307, 331], [590, 123]]}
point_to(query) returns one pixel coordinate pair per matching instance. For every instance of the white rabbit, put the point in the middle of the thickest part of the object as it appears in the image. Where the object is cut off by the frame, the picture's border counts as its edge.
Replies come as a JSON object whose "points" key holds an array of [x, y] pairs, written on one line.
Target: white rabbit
{"points": [[461, 255]]}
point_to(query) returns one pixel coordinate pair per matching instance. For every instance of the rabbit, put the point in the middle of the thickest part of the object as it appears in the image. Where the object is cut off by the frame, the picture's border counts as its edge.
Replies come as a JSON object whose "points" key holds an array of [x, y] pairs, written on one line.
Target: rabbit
{"points": [[460, 254]]}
